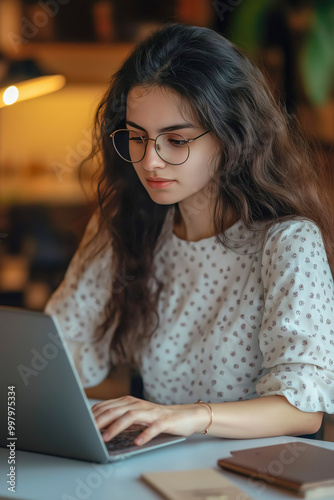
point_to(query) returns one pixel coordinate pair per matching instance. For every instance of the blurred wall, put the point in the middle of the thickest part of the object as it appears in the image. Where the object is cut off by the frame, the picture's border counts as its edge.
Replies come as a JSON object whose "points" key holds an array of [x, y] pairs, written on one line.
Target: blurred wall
{"points": [[45, 129]]}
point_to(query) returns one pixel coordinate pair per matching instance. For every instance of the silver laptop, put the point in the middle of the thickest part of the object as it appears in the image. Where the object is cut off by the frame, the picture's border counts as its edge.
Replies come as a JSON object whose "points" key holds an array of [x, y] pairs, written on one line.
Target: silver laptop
{"points": [[43, 407]]}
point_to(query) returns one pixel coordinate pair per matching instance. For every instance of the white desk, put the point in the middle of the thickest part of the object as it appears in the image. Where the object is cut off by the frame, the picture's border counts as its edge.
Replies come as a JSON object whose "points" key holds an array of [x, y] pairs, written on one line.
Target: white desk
{"points": [[43, 477]]}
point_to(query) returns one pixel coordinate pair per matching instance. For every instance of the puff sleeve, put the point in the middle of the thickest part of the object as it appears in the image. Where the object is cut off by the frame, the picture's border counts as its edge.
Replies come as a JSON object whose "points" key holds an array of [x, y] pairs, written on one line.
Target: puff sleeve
{"points": [[79, 303], [297, 335]]}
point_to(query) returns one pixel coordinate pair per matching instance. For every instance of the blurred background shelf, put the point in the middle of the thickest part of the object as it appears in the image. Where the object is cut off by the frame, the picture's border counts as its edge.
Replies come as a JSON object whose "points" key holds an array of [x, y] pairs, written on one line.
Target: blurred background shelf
{"points": [[89, 63], [45, 191]]}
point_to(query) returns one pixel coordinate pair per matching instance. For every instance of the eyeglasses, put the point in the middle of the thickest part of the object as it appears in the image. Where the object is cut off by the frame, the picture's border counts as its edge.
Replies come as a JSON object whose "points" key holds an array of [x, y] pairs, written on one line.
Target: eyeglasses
{"points": [[172, 148]]}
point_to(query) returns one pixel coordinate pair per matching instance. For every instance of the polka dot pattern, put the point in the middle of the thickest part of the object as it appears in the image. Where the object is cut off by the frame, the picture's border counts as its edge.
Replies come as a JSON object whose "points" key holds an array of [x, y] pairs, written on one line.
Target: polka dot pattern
{"points": [[78, 304], [234, 324]]}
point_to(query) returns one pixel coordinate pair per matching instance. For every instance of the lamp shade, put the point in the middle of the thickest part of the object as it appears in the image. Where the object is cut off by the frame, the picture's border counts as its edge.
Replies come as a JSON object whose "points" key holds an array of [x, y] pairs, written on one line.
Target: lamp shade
{"points": [[24, 79]]}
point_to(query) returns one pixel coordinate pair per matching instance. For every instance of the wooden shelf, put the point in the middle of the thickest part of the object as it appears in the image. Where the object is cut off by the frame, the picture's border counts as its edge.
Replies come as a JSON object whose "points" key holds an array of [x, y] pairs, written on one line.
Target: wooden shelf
{"points": [[44, 191], [78, 62]]}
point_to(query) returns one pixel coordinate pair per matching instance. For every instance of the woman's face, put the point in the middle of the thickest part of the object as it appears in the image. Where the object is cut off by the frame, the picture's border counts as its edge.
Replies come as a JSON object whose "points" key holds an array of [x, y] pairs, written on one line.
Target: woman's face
{"points": [[153, 110]]}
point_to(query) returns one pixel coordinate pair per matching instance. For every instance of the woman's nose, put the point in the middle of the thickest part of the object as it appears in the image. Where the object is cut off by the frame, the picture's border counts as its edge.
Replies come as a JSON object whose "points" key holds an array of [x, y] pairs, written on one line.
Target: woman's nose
{"points": [[151, 159]]}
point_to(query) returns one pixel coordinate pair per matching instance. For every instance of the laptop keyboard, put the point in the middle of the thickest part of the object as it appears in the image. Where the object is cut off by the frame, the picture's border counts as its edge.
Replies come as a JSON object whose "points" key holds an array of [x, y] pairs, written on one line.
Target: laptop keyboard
{"points": [[124, 439]]}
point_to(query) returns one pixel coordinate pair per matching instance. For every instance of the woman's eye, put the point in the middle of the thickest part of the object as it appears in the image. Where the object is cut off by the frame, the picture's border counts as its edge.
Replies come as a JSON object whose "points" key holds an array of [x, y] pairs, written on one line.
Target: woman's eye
{"points": [[177, 142], [136, 139]]}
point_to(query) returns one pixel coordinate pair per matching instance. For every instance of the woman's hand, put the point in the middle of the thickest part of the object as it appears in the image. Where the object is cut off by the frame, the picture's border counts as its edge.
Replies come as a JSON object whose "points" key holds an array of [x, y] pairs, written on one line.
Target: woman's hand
{"points": [[116, 415]]}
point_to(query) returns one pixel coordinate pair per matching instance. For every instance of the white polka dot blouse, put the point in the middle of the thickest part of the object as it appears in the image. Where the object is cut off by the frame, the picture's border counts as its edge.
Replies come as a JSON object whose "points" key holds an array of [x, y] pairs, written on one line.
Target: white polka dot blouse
{"points": [[235, 324]]}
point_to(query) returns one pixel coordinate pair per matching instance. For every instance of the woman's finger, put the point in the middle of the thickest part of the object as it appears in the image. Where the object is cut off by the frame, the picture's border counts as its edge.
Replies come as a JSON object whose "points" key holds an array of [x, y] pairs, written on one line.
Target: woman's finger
{"points": [[109, 406], [110, 414], [125, 421], [124, 400], [110, 411], [151, 432]]}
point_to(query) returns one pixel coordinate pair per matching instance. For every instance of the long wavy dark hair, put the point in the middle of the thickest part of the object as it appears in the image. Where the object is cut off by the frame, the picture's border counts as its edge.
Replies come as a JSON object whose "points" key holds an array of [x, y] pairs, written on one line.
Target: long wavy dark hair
{"points": [[266, 172]]}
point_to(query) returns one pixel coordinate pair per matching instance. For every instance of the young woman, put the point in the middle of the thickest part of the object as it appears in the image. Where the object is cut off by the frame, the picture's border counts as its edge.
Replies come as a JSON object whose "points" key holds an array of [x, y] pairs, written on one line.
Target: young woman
{"points": [[205, 266]]}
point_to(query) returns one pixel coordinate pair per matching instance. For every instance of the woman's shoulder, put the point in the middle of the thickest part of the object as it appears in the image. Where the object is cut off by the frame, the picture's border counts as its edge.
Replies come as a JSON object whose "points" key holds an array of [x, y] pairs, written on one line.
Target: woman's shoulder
{"points": [[295, 240], [95, 242], [296, 229], [95, 231], [91, 258]]}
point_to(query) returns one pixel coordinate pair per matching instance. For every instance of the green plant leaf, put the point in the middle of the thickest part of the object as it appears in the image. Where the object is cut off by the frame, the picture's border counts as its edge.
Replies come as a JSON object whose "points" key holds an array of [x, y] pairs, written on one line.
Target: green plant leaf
{"points": [[248, 24], [317, 58]]}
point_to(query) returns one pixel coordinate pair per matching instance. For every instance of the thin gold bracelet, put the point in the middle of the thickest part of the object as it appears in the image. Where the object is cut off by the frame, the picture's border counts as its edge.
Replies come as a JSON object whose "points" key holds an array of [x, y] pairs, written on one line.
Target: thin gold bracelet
{"points": [[211, 414]]}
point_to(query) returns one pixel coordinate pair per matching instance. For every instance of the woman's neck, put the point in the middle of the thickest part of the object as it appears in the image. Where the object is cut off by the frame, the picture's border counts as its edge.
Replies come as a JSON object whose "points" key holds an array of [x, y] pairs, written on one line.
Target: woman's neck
{"points": [[198, 225], [194, 228]]}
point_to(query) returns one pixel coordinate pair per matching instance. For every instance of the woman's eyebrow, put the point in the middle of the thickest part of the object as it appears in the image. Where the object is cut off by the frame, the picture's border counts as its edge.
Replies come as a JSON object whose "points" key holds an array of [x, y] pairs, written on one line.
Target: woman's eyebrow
{"points": [[164, 129]]}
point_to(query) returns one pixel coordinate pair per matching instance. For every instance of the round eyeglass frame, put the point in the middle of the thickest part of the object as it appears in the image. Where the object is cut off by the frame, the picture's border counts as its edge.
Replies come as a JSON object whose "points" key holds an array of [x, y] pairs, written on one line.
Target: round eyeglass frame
{"points": [[146, 139]]}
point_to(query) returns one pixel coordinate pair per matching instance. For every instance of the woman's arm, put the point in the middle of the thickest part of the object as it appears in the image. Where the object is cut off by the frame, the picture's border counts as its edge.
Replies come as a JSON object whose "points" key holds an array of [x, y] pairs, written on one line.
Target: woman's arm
{"points": [[261, 417]]}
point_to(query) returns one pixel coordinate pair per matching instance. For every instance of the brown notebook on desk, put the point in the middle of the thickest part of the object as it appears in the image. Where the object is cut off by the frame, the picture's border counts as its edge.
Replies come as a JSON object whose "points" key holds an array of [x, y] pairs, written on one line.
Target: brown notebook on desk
{"points": [[306, 469]]}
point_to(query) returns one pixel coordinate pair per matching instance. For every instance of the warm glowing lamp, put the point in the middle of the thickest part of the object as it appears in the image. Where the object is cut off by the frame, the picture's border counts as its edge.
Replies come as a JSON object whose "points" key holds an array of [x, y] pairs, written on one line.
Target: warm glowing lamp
{"points": [[24, 80], [10, 95], [34, 87]]}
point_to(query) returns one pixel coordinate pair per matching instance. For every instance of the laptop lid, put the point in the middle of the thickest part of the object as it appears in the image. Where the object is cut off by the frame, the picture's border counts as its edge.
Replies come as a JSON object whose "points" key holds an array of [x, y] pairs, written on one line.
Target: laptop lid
{"points": [[51, 413]]}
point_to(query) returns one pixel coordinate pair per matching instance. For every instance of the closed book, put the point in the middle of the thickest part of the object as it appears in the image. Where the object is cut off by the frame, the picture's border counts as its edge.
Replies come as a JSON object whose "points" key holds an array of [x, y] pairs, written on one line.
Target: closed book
{"points": [[194, 484], [303, 468]]}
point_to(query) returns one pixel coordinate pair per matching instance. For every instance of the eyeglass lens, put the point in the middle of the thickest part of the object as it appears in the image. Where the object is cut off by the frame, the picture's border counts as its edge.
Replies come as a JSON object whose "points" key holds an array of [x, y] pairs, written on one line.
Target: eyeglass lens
{"points": [[172, 148]]}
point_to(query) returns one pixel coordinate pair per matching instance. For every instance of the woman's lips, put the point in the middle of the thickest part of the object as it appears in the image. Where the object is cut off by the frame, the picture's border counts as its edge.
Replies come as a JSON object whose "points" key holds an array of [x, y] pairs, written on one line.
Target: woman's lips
{"points": [[159, 182]]}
